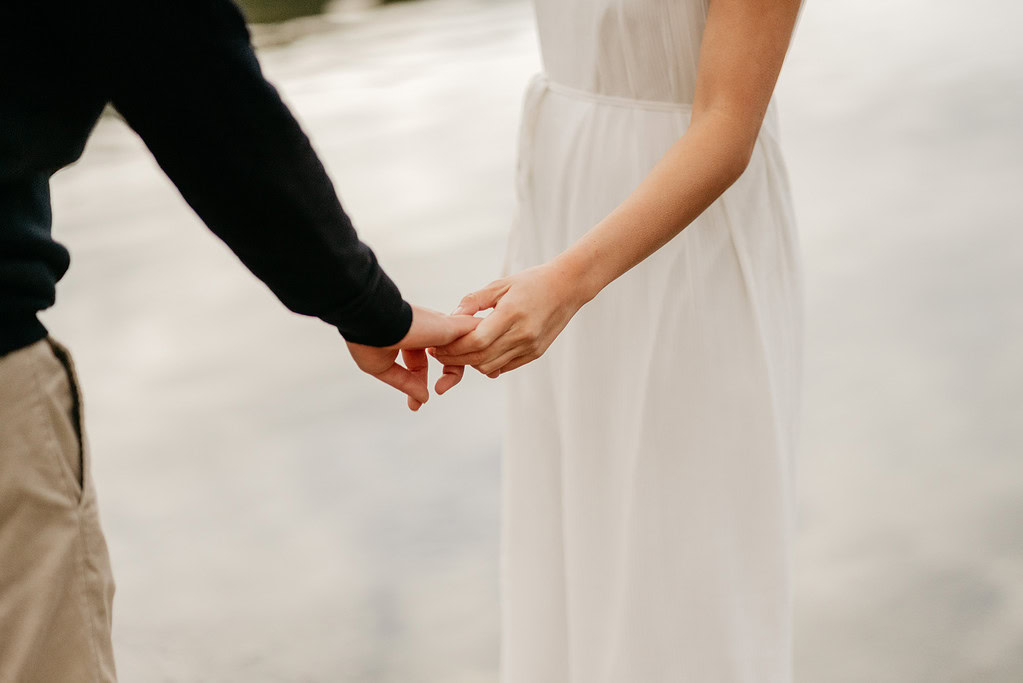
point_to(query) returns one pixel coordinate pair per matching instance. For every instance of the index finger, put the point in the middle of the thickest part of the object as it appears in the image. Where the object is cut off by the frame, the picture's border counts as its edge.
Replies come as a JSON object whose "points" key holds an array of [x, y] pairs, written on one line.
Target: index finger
{"points": [[406, 382]]}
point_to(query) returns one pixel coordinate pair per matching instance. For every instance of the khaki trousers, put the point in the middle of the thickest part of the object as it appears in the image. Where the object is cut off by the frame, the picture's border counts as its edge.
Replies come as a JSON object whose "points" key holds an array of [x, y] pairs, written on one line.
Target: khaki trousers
{"points": [[56, 588]]}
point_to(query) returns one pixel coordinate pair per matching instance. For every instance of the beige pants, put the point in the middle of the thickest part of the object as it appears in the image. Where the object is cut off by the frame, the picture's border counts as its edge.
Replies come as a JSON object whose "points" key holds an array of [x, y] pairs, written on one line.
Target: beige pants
{"points": [[56, 588]]}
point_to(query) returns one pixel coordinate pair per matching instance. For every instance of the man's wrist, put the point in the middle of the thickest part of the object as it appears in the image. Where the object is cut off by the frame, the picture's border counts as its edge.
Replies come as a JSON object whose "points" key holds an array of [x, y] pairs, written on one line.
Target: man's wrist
{"points": [[386, 328]]}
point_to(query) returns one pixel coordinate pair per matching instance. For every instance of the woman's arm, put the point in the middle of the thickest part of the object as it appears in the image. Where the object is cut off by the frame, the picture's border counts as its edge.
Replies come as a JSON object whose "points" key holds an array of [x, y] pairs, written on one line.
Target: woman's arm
{"points": [[741, 54]]}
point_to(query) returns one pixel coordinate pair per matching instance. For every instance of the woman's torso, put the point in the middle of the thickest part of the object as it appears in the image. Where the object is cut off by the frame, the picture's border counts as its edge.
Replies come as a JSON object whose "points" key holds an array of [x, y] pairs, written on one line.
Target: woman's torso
{"points": [[636, 49]]}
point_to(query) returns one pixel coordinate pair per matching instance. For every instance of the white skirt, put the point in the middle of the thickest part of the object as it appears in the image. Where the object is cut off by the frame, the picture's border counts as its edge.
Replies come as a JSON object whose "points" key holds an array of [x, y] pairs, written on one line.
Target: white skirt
{"points": [[648, 468]]}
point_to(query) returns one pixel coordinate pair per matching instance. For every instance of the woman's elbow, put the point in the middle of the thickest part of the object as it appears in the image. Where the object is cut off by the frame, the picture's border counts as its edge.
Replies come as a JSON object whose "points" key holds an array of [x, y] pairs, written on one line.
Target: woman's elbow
{"points": [[735, 163], [739, 162]]}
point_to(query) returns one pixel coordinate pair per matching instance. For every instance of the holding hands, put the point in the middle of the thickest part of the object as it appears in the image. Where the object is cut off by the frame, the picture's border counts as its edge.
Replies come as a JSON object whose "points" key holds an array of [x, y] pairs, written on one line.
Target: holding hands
{"points": [[530, 309], [429, 328]]}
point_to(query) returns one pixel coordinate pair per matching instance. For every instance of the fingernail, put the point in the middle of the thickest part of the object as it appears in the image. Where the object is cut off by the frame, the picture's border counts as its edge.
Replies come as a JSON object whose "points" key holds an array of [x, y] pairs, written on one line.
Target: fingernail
{"points": [[458, 310]]}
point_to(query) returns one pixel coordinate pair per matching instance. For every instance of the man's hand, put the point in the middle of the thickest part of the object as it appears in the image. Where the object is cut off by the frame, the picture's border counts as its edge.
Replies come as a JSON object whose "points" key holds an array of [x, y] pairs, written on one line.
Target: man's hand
{"points": [[429, 329]]}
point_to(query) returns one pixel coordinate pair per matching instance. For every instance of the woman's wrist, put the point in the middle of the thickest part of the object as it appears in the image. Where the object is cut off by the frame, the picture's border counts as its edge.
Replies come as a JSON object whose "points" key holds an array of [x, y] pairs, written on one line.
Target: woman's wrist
{"points": [[575, 269]]}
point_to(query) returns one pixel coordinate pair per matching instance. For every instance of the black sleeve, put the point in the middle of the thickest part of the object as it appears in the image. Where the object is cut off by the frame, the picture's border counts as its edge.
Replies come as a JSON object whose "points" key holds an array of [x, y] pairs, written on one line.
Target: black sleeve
{"points": [[184, 76]]}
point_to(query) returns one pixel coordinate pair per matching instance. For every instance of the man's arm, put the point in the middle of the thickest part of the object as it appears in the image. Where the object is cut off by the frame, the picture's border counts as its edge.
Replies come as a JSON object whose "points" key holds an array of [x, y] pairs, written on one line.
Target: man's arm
{"points": [[184, 76]]}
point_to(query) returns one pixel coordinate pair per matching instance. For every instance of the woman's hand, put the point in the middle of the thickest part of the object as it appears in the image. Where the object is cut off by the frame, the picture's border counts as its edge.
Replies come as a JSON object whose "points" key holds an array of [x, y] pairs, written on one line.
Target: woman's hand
{"points": [[531, 308]]}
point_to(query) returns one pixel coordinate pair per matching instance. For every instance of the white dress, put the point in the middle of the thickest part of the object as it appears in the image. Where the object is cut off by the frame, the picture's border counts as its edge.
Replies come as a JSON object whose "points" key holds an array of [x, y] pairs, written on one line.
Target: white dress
{"points": [[648, 470]]}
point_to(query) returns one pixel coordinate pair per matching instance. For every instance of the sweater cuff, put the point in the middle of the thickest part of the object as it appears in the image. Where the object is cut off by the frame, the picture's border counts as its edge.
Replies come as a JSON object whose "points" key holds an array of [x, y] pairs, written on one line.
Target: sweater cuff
{"points": [[377, 317]]}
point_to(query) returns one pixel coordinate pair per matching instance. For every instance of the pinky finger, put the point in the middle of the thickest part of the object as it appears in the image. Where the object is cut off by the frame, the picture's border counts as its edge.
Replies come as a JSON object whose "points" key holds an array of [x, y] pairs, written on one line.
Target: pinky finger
{"points": [[496, 365], [517, 363], [452, 376]]}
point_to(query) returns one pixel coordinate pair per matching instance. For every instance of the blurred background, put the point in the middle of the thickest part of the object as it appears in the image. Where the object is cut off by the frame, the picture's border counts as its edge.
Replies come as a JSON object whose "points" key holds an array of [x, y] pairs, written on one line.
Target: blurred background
{"points": [[275, 516]]}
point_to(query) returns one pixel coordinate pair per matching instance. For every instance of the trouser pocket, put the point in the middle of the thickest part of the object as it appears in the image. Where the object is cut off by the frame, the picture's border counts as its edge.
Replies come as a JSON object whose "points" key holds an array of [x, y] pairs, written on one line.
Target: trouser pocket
{"points": [[55, 606], [60, 404], [77, 455]]}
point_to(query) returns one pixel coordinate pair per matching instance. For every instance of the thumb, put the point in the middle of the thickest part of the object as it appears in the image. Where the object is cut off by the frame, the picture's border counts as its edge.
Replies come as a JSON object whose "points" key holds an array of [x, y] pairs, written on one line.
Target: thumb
{"points": [[482, 299]]}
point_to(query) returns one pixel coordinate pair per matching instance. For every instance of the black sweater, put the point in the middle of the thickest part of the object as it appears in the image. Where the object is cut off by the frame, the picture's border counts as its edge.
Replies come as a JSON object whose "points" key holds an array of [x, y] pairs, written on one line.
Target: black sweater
{"points": [[183, 75]]}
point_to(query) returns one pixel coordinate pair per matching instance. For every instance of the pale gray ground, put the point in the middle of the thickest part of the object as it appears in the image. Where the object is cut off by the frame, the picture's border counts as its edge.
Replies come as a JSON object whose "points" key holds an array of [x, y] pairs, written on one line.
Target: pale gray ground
{"points": [[275, 516]]}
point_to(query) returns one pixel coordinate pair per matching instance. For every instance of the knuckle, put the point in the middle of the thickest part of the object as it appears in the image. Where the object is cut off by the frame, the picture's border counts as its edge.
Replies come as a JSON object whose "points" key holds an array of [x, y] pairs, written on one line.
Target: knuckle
{"points": [[528, 333], [467, 343]]}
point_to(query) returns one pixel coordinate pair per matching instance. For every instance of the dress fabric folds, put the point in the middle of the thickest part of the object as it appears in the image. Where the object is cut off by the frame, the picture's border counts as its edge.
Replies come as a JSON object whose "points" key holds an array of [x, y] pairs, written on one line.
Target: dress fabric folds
{"points": [[649, 457]]}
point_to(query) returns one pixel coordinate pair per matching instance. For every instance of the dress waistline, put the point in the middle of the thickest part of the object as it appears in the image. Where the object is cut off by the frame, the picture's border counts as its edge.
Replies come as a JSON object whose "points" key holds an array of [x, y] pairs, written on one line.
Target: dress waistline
{"points": [[609, 100], [542, 83]]}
